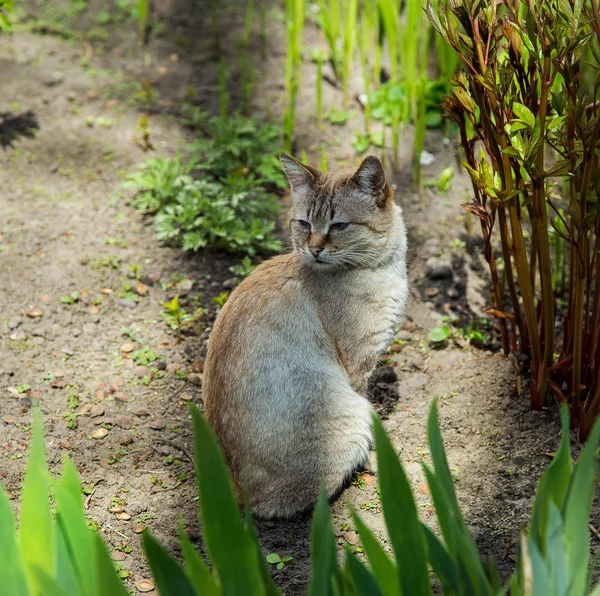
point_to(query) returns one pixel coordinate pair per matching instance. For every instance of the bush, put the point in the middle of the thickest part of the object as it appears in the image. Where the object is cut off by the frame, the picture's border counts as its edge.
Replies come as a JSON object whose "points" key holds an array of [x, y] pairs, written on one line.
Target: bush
{"points": [[230, 205], [61, 555], [529, 96]]}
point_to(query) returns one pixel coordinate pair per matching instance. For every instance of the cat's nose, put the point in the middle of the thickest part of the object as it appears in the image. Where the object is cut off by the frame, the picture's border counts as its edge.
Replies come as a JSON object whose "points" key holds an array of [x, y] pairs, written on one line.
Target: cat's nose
{"points": [[315, 250]]}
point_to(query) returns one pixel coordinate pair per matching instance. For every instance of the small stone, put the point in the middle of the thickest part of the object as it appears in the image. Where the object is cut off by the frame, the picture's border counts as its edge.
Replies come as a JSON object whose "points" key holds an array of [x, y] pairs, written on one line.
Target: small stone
{"points": [[127, 347], [195, 379], [39, 332], [9, 419], [118, 555], [410, 326], [173, 367], [141, 289], [438, 268], [106, 291], [76, 332], [198, 366], [126, 440], [34, 312], [141, 371], [116, 382], [157, 424], [395, 348], [94, 310], [147, 280], [14, 323], [351, 538], [185, 397], [185, 285], [144, 585], [56, 79], [138, 528], [431, 292], [100, 395], [96, 410], [404, 335], [123, 516], [161, 365], [228, 284], [18, 336], [97, 386], [123, 421], [122, 397], [99, 433], [58, 383], [453, 293], [142, 412], [127, 303], [71, 96], [117, 509]]}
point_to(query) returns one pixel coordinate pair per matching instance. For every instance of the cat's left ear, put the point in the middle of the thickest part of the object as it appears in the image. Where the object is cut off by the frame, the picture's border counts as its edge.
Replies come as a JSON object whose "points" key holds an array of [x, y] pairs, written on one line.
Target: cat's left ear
{"points": [[370, 178]]}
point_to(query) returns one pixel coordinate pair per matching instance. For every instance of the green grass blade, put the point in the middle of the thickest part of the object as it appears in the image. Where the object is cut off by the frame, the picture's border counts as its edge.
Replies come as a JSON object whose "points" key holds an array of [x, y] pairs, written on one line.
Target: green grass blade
{"points": [[363, 581], [108, 580], [50, 587], [325, 571], [78, 540], [12, 571], [401, 518], [36, 532], [553, 485], [170, 578], [576, 512], [65, 571], [383, 567], [196, 568], [441, 562], [231, 553]]}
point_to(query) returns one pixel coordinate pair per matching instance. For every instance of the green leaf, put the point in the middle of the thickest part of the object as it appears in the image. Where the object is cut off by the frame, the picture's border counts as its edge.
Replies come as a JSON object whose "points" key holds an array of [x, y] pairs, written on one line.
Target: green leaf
{"points": [[401, 518], [363, 580], [36, 532], [382, 565], [576, 512], [196, 568], [231, 551], [553, 485], [170, 578], [273, 558], [442, 562], [325, 571], [439, 334], [524, 114], [108, 580], [12, 571]]}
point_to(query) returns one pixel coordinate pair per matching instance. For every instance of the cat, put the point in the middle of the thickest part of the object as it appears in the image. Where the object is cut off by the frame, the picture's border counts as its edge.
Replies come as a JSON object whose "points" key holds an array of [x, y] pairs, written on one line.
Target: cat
{"points": [[291, 352]]}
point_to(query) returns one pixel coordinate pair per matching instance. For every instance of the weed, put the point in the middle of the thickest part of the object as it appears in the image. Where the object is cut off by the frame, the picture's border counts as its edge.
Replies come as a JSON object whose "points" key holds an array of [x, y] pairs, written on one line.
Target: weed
{"points": [[279, 562], [72, 298], [244, 268], [176, 317]]}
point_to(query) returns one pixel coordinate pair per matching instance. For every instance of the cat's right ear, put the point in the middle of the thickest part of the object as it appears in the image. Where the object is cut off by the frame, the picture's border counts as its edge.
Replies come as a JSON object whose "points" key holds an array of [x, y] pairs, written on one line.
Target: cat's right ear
{"points": [[298, 174]]}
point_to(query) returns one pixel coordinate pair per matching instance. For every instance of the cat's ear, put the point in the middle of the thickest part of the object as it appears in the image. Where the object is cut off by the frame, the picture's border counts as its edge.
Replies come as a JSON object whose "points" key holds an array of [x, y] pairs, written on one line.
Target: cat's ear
{"points": [[370, 178], [297, 173]]}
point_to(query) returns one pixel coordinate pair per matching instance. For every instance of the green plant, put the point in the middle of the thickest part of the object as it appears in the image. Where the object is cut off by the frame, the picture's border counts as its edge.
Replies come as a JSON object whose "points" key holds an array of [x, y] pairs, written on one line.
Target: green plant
{"points": [[294, 19], [319, 57], [439, 334], [524, 95], [72, 298], [143, 20], [244, 268], [147, 355], [6, 8], [176, 317]]}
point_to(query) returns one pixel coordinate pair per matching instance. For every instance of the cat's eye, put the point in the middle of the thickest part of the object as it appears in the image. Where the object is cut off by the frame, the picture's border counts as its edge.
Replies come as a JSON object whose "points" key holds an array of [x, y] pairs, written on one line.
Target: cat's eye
{"points": [[304, 224], [338, 226]]}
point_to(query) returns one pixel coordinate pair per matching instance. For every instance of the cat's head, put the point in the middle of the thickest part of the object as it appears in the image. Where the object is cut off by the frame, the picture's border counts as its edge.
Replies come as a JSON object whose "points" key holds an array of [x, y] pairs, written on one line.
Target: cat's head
{"points": [[342, 221]]}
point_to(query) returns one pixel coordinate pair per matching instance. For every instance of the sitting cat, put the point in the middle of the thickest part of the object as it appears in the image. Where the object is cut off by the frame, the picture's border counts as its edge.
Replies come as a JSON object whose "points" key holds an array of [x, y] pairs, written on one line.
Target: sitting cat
{"points": [[292, 350]]}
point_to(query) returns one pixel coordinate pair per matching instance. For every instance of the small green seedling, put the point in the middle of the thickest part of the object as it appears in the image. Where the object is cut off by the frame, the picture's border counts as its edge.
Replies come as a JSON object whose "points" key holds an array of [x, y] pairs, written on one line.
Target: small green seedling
{"points": [[176, 317], [279, 562], [439, 334], [244, 268], [72, 298], [221, 299]]}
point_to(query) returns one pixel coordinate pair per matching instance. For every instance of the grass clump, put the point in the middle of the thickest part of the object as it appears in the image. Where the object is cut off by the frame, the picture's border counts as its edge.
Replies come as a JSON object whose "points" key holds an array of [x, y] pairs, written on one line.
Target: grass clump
{"points": [[221, 197]]}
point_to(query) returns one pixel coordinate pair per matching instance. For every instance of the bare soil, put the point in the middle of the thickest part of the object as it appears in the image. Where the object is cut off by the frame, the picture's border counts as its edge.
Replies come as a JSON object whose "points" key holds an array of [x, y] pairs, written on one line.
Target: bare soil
{"points": [[65, 226]]}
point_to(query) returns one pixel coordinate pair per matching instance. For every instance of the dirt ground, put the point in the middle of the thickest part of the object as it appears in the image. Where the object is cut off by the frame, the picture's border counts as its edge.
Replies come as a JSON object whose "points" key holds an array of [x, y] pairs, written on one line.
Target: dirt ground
{"points": [[65, 226]]}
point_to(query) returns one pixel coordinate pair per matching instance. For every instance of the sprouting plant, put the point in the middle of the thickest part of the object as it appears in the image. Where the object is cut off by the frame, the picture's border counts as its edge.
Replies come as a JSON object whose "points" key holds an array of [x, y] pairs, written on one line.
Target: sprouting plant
{"points": [[279, 562], [244, 268], [319, 57], [176, 317], [439, 334], [143, 128], [145, 355], [221, 299], [72, 298]]}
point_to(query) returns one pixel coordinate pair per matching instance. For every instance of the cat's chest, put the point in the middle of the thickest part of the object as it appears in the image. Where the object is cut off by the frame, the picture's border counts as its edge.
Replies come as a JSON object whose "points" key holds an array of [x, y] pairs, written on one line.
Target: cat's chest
{"points": [[364, 313]]}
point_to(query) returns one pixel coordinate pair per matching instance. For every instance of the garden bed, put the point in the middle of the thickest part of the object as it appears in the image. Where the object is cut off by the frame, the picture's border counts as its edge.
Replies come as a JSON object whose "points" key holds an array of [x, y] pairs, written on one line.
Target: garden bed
{"points": [[84, 280]]}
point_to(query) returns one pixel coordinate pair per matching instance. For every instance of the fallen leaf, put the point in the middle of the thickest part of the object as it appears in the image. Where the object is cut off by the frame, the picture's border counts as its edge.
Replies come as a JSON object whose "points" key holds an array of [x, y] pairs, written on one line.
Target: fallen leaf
{"points": [[96, 410], [106, 290], [94, 310], [368, 479], [58, 383], [138, 528], [34, 312], [141, 289], [118, 555], [124, 516], [117, 509], [351, 538], [127, 348]]}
